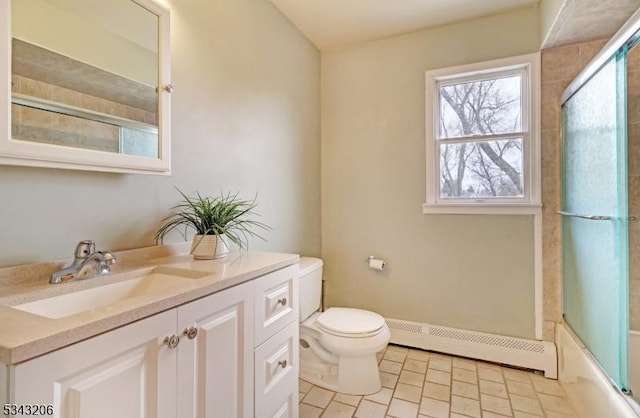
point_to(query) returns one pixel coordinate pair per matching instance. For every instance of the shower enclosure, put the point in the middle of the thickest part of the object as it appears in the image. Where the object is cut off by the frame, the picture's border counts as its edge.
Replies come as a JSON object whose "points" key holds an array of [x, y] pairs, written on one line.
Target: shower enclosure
{"points": [[601, 197]]}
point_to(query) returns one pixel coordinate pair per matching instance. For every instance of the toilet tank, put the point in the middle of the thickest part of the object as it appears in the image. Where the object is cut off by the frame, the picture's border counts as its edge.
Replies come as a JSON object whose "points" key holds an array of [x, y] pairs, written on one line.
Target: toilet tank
{"points": [[309, 285]]}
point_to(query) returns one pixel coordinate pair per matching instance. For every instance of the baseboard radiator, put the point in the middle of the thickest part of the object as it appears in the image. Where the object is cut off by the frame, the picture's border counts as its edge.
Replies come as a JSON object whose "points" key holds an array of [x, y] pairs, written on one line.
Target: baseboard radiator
{"points": [[519, 352]]}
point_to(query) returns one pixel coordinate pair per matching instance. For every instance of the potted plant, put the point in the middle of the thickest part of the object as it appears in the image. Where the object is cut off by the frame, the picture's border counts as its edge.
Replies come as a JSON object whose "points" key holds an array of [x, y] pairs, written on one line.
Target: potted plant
{"points": [[215, 220]]}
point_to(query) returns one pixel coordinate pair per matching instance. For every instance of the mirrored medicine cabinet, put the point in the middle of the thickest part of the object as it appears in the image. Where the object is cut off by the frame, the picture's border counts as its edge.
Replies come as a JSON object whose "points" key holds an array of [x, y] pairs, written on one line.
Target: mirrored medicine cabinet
{"points": [[85, 85]]}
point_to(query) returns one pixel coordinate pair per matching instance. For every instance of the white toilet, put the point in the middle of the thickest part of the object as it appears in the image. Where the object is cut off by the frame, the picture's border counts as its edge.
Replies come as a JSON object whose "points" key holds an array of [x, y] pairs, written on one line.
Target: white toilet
{"points": [[337, 347]]}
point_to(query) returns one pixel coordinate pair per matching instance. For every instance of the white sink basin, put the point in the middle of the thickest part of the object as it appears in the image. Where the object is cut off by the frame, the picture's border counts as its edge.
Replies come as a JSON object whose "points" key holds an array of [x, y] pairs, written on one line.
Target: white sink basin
{"points": [[144, 283]]}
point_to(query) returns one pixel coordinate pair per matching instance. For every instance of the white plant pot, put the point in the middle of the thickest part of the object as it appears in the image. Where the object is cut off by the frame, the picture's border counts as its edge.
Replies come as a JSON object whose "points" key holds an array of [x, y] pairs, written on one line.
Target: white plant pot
{"points": [[208, 247]]}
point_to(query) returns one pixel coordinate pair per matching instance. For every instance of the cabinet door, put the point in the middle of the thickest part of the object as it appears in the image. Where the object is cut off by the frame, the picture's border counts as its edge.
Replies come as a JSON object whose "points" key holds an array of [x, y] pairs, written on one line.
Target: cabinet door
{"points": [[215, 367], [126, 373]]}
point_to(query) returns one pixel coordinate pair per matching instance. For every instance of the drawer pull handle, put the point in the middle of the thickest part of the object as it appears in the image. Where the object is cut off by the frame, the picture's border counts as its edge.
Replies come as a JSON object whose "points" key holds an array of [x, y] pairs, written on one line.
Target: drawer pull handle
{"points": [[282, 363], [190, 333], [172, 342], [282, 301]]}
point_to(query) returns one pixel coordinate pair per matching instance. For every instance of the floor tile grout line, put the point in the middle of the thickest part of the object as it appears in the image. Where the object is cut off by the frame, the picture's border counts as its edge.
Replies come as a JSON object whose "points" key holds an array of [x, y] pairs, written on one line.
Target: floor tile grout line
{"points": [[544, 410], [426, 359], [535, 392]]}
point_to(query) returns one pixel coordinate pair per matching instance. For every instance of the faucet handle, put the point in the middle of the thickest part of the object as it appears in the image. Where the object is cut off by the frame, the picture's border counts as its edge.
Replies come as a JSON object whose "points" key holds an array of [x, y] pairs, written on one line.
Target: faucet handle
{"points": [[107, 257], [85, 248], [107, 260]]}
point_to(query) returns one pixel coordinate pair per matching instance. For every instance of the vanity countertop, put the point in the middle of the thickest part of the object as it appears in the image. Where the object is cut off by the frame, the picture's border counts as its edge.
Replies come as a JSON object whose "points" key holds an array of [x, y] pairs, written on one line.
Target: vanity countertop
{"points": [[24, 335]]}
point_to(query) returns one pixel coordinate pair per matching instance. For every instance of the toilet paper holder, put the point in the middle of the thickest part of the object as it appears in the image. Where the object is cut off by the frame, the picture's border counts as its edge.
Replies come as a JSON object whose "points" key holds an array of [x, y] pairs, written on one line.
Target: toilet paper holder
{"points": [[369, 258]]}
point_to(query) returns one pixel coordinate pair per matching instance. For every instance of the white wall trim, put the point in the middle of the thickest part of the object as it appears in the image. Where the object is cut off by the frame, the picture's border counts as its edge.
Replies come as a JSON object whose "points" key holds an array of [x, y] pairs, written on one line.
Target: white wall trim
{"points": [[520, 352], [538, 297], [482, 208]]}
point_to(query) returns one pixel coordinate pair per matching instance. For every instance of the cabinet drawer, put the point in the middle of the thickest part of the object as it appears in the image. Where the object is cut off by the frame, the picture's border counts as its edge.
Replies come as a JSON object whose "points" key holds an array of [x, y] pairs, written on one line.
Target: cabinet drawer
{"points": [[285, 407], [276, 298], [276, 366]]}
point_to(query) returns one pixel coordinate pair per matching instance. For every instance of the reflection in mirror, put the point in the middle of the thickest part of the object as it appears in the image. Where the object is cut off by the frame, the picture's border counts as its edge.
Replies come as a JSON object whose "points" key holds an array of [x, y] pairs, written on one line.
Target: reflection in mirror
{"points": [[84, 75]]}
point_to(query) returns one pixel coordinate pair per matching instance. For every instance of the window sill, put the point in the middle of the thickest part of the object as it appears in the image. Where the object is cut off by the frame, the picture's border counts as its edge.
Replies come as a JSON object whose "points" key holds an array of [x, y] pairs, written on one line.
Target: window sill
{"points": [[482, 208]]}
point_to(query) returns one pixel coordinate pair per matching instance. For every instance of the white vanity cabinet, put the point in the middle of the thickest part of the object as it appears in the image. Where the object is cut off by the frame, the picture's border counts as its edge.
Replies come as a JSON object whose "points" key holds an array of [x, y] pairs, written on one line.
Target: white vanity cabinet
{"points": [[201, 360], [128, 372]]}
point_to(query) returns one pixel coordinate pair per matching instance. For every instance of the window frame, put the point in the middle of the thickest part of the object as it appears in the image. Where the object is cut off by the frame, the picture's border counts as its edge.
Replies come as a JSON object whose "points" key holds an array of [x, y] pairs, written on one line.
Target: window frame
{"points": [[530, 203]]}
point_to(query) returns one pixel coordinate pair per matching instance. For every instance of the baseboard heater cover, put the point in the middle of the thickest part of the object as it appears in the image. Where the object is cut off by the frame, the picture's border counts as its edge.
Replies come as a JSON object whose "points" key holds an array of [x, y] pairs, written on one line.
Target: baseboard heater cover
{"points": [[519, 352]]}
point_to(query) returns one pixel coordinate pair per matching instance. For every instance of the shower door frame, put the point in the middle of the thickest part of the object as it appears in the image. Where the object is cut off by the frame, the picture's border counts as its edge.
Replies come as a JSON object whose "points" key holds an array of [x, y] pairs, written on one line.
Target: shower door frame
{"points": [[621, 42], [595, 221]]}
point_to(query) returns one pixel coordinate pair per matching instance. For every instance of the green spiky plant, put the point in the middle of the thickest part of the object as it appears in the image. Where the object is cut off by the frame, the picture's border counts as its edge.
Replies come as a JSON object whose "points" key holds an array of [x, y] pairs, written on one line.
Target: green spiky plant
{"points": [[224, 215]]}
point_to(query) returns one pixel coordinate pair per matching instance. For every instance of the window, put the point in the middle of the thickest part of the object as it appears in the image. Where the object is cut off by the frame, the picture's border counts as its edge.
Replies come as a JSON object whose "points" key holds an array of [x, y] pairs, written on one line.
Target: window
{"points": [[482, 137]]}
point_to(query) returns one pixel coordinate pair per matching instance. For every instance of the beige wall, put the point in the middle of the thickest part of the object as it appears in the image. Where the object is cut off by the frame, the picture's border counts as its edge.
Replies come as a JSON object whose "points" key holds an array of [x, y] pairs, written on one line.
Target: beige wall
{"points": [[559, 67], [245, 117], [470, 272]]}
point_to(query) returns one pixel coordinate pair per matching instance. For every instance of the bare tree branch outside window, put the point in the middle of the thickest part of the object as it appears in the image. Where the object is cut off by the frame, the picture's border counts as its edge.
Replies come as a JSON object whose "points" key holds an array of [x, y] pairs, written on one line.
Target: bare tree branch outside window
{"points": [[481, 168]]}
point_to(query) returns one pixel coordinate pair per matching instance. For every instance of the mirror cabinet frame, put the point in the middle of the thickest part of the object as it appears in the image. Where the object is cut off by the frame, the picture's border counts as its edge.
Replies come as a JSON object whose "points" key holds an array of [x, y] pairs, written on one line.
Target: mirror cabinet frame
{"points": [[34, 154]]}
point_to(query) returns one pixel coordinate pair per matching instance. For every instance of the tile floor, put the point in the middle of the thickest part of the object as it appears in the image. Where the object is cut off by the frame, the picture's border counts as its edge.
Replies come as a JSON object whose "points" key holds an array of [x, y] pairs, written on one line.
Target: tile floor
{"points": [[418, 383]]}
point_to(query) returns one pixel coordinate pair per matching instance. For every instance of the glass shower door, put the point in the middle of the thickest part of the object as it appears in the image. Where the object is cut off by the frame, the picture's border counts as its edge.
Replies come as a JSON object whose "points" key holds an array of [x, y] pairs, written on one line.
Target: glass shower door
{"points": [[595, 218]]}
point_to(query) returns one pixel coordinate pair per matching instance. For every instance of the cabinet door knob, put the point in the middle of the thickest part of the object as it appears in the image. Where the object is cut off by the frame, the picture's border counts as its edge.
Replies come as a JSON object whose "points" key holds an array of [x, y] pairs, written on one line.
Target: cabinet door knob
{"points": [[282, 301], [282, 363], [168, 88], [190, 333], [172, 341]]}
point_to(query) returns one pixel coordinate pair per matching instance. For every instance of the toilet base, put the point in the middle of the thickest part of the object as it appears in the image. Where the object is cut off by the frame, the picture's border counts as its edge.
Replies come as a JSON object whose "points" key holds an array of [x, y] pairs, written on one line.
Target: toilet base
{"points": [[359, 375], [342, 364], [353, 375]]}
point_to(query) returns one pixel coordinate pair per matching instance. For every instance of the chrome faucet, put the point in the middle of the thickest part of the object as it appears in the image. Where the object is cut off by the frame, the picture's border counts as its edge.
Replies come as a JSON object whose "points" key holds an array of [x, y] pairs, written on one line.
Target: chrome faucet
{"points": [[87, 263]]}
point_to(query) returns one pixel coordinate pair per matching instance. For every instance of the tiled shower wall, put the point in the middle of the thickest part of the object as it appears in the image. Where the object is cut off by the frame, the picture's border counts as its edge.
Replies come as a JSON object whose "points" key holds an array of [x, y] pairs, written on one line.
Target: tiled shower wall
{"points": [[37, 125], [559, 67]]}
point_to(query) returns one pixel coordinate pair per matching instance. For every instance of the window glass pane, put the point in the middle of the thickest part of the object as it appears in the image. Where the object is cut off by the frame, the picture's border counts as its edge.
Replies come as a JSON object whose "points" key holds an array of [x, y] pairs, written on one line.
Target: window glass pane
{"points": [[483, 107], [481, 170]]}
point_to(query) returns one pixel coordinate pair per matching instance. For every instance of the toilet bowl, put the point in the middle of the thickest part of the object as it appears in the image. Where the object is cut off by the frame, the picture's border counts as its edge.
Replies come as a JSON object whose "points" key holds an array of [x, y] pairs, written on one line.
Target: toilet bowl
{"points": [[337, 347]]}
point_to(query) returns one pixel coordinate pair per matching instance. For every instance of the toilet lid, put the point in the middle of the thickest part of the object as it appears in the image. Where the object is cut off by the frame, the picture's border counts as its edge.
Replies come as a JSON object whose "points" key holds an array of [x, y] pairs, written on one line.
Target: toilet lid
{"points": [[350, 321]]}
